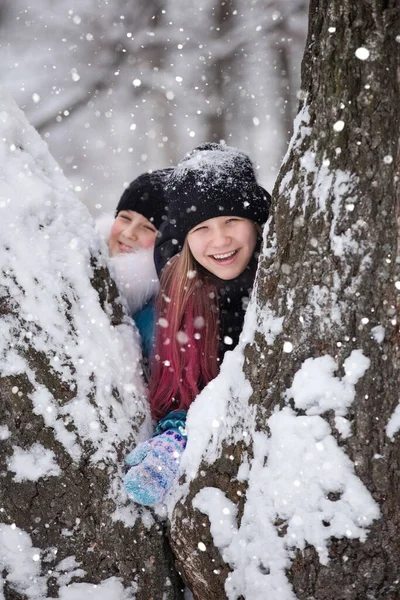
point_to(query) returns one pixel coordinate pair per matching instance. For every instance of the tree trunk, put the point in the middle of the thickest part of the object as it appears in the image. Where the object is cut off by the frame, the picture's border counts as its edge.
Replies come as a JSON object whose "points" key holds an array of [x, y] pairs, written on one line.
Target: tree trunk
{"points": [[285, 83], [72, 402], [326, 299]]}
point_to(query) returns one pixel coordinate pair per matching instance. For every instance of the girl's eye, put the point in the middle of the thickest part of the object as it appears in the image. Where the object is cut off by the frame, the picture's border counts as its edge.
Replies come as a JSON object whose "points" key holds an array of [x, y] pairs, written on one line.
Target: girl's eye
{"points": [[200, 229], [150, 229], [233, 220], [125, 217]]}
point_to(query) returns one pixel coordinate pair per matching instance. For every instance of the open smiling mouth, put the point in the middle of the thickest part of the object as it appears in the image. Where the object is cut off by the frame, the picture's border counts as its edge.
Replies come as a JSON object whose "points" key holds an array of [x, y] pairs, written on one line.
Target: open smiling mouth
{"points": [[124, 248], [227, 257]]}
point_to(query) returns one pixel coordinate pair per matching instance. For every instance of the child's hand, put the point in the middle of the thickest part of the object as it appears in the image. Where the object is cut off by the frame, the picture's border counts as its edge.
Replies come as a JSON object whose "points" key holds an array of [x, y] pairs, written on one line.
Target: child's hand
{"points": [[154, 466]]}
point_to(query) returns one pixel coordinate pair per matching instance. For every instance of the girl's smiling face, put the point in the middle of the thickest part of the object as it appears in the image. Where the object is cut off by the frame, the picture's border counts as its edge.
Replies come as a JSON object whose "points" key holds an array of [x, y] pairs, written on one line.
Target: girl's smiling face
{"points": [[223, 245], [131, 231]]}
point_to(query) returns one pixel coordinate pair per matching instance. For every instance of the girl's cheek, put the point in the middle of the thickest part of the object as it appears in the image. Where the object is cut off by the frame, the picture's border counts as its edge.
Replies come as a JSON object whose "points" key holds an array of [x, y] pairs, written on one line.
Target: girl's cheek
{"points": [[148, 242], [113, 236], [115, 229]]}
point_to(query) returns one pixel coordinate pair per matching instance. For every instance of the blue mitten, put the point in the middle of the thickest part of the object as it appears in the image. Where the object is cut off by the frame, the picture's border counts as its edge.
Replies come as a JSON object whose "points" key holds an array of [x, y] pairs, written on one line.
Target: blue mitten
{"points": [[154, 466]]}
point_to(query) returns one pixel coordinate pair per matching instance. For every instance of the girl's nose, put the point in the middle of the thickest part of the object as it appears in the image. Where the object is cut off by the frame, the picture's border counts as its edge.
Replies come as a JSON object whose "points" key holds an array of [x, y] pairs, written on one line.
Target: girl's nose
{"points": [[220, 238], [131, 232]]}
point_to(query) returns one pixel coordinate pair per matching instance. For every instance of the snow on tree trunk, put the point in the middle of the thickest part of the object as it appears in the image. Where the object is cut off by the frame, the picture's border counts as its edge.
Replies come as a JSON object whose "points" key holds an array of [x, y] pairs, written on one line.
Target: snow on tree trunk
{"points": [[290, 480], [72, 400]]}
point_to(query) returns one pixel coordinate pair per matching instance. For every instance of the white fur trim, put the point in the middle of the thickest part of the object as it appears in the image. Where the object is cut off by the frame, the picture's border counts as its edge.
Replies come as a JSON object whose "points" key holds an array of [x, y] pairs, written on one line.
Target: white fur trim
{"points": [[136, 277], [104, 224]]}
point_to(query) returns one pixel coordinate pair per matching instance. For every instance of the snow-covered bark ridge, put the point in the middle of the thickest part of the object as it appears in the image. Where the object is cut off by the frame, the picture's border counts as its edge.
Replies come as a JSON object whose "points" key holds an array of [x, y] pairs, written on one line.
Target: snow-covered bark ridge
{"points": [[47, 245], [73, 399]]}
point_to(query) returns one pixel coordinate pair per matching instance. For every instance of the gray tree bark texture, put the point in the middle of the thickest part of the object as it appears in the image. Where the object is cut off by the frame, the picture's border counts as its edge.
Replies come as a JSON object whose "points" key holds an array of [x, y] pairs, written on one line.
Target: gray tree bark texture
{"points": [[77, 500], [358, 284]]}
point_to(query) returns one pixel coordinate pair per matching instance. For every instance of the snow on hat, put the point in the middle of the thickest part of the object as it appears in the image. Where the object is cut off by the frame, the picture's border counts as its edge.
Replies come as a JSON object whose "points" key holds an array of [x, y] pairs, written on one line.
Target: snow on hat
{"points": [[146, 195], [212, 180]]}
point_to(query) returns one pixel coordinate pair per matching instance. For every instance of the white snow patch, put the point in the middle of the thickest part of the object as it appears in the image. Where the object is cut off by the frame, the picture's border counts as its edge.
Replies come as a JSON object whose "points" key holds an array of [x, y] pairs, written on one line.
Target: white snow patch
{"points": [[221, 512], [337, 185], [305, 464], [323, 303], [343, 426], [66, 569], [286, 186], [111, 588], [19, 559], [378, 333], [301, 129], [268, 324], [22, 563], [261, 319], [216, 163], [343, 185], [316, 390], [33, 463], [45, 404], [4, 433]]}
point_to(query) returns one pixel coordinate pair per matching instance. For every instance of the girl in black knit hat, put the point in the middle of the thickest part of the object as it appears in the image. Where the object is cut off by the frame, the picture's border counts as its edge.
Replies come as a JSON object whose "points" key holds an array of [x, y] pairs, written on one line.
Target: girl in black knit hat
{"points": [[206, 253], [130, 236]]}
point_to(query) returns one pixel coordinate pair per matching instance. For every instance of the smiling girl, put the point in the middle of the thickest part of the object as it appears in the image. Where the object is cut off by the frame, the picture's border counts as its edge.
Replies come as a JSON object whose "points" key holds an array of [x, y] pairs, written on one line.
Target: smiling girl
{"points": [[131, 236], [207, 256]]}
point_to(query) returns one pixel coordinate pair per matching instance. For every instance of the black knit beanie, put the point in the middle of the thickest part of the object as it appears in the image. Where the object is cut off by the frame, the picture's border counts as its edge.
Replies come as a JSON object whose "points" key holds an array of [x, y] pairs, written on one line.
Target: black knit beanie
{"points": [[211, 181], [146, 195]]}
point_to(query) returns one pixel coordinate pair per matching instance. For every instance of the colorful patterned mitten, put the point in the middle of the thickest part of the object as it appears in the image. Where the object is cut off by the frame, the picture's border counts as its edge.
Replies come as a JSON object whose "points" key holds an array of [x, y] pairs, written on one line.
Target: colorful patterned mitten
{"points": [[154, 466]]}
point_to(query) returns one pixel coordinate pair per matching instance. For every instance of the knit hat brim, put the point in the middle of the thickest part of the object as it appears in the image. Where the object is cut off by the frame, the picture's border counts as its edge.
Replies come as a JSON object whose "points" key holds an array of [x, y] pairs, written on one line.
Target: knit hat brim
{"points": [[146, 195]]}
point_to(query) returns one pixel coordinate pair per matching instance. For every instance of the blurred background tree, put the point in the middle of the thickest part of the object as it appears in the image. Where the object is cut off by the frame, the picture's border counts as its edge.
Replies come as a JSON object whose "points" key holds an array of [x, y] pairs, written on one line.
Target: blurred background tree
{"points": [[117, 88]]}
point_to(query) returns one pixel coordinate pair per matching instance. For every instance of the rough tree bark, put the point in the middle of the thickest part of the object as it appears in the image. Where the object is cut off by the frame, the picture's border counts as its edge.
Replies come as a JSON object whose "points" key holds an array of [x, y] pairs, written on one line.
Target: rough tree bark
{"points": [[74, 522], [330, 270]]}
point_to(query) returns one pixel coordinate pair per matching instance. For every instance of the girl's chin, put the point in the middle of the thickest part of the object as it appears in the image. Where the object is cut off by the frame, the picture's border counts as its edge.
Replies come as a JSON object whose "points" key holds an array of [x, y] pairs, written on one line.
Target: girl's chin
{"points": [[225, 272], [127, 250], [118, 252]]}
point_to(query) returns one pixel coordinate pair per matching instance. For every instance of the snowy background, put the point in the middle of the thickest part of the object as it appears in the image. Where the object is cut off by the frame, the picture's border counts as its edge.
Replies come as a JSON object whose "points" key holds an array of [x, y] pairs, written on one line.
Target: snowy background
{"points": [[116, 88]]}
